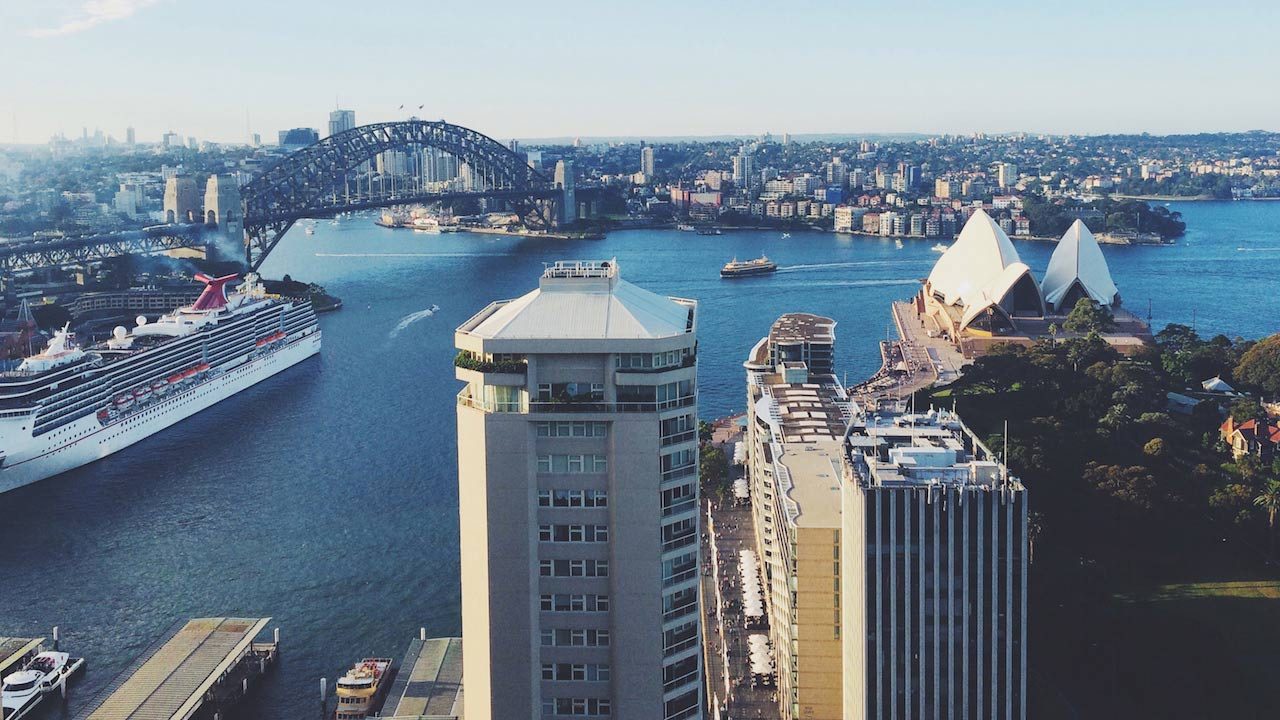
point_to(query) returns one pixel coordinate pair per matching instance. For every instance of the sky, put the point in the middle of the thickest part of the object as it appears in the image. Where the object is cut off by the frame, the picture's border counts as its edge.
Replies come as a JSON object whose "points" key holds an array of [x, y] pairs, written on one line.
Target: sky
{"points": [[220, 69]]}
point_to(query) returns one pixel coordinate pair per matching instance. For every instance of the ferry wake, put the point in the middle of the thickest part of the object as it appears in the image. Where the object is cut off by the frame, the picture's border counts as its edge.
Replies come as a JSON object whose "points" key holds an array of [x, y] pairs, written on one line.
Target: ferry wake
{"points": [[68, 405]]}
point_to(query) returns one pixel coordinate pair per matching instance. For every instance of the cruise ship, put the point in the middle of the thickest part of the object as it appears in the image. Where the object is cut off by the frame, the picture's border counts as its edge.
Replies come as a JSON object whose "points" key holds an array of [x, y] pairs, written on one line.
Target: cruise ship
{"points": [[71, 405]]}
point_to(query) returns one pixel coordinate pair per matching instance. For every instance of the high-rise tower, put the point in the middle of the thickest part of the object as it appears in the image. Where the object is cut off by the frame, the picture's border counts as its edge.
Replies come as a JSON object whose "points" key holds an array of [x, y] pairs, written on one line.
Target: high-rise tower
{"points": [[578, 496]]}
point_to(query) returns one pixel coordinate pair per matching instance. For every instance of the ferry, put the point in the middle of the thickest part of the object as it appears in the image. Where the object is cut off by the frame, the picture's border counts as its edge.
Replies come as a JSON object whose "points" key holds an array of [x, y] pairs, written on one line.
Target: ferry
{"points": [[23, 691], [759, 266], [362, 690], [939, 248], [69, 405]]}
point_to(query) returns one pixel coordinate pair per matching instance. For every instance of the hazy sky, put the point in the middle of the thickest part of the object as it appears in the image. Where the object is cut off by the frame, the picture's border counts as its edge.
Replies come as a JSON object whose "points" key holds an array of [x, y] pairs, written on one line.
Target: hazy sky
{"points": [[546, 68]]}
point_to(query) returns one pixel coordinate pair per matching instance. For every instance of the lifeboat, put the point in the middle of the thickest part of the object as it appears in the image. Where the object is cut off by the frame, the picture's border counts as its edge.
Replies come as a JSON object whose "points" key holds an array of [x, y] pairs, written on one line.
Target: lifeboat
{"points": [[142, 393], [274, 337], [124, 401], [160, 387], [104, 415]]}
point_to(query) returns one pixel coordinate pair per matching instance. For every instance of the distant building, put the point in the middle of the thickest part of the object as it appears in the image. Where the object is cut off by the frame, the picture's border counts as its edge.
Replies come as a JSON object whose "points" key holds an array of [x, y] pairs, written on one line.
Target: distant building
{"points": [[171, 140], [298, 138], [578, 499], [131, 137], [568, 201], [646, 160], [1007, 175], [534, 158], [340, 121], [942, 188]]}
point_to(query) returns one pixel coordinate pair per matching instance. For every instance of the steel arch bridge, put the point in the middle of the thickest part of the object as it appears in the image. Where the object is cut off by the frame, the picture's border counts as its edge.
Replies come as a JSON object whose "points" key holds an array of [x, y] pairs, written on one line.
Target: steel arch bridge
{"points": [[313, 182]]}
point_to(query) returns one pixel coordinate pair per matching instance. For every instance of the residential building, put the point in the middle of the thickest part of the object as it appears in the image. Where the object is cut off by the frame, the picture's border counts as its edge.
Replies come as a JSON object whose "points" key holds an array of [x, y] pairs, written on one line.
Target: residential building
{"points": [[1007, 175], [942, 188], [934, 573], [646, 160], [578, 501], [796, 415]]}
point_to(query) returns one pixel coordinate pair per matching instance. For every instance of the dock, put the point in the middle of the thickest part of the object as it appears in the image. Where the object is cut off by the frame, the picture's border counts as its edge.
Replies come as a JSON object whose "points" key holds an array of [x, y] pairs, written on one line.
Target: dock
{"points": [[16, 651], [205, 662], [429, 685]]}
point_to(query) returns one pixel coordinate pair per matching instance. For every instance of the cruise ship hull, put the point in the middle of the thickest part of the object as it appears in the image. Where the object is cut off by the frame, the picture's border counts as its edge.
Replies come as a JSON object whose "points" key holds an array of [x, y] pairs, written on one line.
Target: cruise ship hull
{"points": [[87, 439]]}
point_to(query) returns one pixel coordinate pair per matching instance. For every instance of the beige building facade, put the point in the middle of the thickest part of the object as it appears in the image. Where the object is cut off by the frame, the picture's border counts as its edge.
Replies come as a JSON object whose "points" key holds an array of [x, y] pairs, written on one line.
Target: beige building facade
{"points": [[578, 501]]}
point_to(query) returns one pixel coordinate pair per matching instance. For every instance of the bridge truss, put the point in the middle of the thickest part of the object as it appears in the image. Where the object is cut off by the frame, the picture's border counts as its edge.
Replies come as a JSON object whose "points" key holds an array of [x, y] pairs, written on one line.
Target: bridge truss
{"points": [[18, 256], [315, 181]]}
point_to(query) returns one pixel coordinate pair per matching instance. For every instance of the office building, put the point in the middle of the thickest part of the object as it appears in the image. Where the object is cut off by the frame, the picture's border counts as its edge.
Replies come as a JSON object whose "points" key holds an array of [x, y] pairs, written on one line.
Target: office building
{"points": [[646, 160], [797, 412], [934, 582], [341, 121], [130, 136], [298, 138], [578, 501]]}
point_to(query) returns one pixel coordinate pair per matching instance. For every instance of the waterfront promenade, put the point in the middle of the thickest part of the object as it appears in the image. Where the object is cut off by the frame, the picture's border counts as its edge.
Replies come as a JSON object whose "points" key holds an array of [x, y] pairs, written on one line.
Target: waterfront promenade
{"points": [[921, 357]]}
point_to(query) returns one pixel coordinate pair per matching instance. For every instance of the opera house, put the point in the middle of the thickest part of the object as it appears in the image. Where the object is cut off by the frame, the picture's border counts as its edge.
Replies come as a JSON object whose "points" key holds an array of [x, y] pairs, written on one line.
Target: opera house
{"points": [[980, 293]]}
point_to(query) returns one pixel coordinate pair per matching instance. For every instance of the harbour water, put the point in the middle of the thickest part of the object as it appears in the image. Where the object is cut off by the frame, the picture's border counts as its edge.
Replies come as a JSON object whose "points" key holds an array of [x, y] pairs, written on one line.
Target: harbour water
{"points": [[325, 497]]}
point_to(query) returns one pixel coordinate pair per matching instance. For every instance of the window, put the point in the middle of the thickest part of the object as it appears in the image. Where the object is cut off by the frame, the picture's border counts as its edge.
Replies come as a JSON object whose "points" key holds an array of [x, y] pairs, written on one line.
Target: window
{"points": [[573, 464], [677, 459], [576, 637], [682, 706], [679, 638], [586, 707], [573, 533], [570, 392], [576, 672], [566, 602], [572, 429]]}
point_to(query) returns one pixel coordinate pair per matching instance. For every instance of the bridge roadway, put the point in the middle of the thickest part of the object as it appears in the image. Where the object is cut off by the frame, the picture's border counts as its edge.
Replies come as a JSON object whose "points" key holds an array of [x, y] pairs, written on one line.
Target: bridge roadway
{"points": [[24, 255]]}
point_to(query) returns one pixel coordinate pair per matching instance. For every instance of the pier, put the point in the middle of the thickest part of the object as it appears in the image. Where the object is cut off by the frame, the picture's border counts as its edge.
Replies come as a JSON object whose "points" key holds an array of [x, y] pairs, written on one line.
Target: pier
{"points": [[429, 685], [206, 662], [16, 651]]}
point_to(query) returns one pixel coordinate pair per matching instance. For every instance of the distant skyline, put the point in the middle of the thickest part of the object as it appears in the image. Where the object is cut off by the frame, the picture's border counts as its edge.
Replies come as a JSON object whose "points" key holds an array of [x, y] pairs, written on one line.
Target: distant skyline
{"points": [[222, 70]]}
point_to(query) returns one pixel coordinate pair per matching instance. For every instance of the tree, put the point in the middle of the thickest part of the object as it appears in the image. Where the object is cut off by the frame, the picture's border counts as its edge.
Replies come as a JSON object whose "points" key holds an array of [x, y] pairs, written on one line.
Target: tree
{"points": [[1154, 447], [1269, 500], [1259, 367], [713, 470], [1089, 317]]}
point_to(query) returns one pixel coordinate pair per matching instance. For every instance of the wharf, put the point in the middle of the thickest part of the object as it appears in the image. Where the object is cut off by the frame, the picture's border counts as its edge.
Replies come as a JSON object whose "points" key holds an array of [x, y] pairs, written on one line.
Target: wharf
{"points": [[429, 685], [15, 651], [206, 661]]}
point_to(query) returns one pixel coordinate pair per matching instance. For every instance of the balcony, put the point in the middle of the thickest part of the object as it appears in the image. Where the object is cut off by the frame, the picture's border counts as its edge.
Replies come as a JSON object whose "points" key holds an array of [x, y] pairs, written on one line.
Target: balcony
{"points": [[687, 362], [593, 406]]}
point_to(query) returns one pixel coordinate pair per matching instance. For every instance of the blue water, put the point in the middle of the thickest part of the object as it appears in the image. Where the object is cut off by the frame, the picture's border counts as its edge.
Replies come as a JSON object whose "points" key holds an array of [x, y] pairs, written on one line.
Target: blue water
{"points": [[325, 497]]}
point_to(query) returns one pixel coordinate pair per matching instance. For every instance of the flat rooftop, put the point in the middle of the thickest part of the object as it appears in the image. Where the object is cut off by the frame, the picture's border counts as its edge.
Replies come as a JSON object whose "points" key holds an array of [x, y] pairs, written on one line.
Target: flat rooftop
{"points": [[429, 684], [813, 472], [929, 448], [171, 678], [812, 411], [803, 327]]}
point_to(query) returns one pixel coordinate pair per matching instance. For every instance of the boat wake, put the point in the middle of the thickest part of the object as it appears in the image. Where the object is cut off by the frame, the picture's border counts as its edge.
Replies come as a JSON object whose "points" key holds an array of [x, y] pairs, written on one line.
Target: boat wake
{"points": [[412, 318], [408, 254], [826, 266]]}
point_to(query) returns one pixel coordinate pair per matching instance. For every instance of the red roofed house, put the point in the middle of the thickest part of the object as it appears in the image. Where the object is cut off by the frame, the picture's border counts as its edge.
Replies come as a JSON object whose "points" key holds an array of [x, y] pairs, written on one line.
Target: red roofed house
{"points": [[1245, 439]]}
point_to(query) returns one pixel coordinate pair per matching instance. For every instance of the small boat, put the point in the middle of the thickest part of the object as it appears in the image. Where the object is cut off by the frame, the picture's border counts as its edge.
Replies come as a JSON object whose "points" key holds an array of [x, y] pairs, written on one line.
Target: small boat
{"points": [[142, 393], [435, 308], [124, 402], [898, 244], [759, 266], [939, 248], [685, 227], [362, 690], [310, 230], [46, 673], [708, 231], [786, 236], [160, 387]]}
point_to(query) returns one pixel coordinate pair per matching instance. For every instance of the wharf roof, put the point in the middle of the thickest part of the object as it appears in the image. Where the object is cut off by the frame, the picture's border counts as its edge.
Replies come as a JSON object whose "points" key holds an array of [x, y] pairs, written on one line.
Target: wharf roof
{"points": [[14, 649], [429, 683], [172, 678], [584, 301]]}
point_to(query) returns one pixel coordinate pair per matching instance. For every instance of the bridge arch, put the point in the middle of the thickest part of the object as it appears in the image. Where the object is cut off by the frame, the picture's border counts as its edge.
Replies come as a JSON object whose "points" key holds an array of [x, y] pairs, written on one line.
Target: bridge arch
{"points": [[314, 180]]}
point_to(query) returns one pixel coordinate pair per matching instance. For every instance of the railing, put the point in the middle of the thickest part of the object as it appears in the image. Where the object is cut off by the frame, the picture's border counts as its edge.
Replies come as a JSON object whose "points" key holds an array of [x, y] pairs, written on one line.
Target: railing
{"points": [[594, 406], [468, 362], [670, 685], [465, 400], [679, 542], [683, 437], [678, 508], [677, 612], [688, 362], [680, 577], [680, 472], [680, 646]]}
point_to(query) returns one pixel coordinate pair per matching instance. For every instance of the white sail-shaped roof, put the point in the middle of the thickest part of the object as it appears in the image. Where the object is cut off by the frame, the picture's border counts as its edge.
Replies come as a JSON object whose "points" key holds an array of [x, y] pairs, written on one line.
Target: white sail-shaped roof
{"points": [[976, 259], [996, 293], [1078, 259]]}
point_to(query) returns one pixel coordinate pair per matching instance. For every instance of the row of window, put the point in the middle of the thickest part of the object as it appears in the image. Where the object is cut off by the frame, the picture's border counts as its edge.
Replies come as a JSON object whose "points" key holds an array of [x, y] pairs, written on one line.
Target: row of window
{"points": [[678, 459], [574, 637], [573, 602], [570, 392], [573, 568], [589, 672], [573, 498], [672, 358], [573, 464], [573, 533], [572, 429], [583, 707]]}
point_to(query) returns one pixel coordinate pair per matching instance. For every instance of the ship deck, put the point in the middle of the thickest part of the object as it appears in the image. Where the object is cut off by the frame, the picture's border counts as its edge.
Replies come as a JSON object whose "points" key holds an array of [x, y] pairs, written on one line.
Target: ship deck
{"points": [[172, 677], [429, 684], [14, 650]]}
